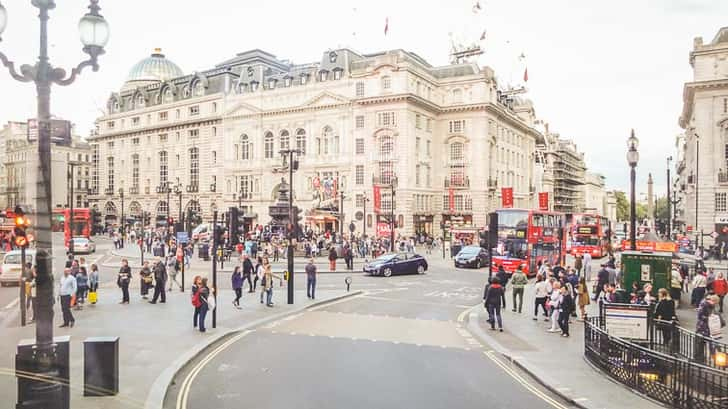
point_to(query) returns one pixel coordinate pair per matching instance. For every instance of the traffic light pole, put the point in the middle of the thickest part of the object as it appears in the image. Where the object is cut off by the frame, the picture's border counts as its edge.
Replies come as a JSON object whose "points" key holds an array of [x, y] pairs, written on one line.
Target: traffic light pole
{"points": [[23, 312], [291, 229], [70, 222], [214, 265]]}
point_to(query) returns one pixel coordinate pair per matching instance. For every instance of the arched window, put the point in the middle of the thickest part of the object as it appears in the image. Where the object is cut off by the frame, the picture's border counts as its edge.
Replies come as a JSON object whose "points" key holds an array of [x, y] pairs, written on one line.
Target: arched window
{"points": [[163, 168], [244, 147], [301, 141], [268, 145], [185, 92], [199, 88], [195, 167], [285, 140], [140, 102], [168, 95]]}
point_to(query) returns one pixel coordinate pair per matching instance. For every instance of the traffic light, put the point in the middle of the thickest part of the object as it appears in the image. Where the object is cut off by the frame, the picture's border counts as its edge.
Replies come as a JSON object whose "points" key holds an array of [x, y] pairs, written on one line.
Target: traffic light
{"points": [[21, 225], [297, 221], [234, 225]]}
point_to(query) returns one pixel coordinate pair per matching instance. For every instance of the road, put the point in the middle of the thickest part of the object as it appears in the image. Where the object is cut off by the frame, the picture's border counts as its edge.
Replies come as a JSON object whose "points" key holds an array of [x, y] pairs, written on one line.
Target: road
{"points": [[400, 344]]}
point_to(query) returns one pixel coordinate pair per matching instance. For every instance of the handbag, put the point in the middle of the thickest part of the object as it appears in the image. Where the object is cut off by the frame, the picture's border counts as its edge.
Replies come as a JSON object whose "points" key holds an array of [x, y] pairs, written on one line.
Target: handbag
{"points": [[714, 326], [211, 303], [92, 297]]}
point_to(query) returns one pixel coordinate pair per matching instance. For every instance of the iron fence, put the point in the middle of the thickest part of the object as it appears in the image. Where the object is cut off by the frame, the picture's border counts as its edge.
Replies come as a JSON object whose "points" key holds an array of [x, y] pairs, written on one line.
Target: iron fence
{"points": [[670, 379], [669, 338]]}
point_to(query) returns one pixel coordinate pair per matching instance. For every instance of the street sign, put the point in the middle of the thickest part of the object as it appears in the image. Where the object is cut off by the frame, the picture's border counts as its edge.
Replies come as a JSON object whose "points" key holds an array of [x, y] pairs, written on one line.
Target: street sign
{"points": [[183, 237], [714, 235], [626, 321]]}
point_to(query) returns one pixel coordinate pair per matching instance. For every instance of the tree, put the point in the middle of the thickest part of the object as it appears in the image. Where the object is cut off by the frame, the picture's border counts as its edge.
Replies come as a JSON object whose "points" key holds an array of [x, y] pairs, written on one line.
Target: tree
{"points": [[661, 209], [622, 206]]}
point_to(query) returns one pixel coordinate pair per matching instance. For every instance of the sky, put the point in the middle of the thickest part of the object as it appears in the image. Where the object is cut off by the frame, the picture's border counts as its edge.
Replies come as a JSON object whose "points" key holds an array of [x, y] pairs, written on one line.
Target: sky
{"points": [[596, 68]]}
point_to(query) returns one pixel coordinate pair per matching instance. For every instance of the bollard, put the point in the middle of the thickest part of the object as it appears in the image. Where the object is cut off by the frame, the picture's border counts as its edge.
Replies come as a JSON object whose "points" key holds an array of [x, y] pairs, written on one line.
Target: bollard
{"points": [[347, 280]]}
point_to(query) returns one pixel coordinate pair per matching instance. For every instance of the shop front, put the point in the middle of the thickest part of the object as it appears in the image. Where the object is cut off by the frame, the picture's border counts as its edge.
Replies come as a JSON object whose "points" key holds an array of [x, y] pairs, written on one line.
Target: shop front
{"points": [[321, 221], [423, 224]]}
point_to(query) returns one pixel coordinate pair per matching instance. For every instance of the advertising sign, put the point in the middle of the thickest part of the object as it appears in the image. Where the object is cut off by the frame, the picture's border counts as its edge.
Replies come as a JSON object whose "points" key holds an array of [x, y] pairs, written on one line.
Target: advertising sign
{"points": [[507, 197], [642, 245], [543, 201], [626, 321], [383, 229], [183, 237], [377, 199], [587, 230]]}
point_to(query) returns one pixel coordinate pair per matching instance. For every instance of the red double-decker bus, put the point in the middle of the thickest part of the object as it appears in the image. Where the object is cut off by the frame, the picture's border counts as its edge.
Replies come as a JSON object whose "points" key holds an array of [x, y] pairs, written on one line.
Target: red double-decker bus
{"points": [[588, 233], [527, 237], [80, 227]]}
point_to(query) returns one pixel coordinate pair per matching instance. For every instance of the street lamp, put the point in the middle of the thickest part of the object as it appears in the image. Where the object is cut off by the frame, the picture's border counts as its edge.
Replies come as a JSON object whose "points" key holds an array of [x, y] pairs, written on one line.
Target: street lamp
{"points": [[392, 221], [669, 200], [94, 32], [178, 192], [123, 230], [632, 158], [288, 160], [366, 199], [72, 166]]}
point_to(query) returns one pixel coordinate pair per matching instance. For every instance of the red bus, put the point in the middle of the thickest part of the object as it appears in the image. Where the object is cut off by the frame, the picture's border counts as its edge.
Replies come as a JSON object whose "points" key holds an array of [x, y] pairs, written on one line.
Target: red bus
{"points": [[588, 234], [528, 237], [81, 226]]}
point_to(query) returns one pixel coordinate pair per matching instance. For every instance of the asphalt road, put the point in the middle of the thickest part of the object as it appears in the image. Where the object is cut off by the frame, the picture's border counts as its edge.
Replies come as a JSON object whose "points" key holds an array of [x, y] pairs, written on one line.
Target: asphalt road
{"points": [[401, 344]]}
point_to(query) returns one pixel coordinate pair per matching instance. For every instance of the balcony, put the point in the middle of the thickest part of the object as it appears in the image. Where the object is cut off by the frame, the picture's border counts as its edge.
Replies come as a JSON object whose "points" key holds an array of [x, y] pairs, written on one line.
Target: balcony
{"points": [[193, 188], [134, 190], [109, 191], [722, 177], [457, 181]]}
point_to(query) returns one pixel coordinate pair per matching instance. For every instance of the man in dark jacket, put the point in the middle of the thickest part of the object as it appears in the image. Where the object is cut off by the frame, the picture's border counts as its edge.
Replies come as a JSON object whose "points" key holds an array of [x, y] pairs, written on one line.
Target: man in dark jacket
{"points": [[160, 279], [493, 296], [503, 276], [602, 280], [332, 258], [248, 271]]}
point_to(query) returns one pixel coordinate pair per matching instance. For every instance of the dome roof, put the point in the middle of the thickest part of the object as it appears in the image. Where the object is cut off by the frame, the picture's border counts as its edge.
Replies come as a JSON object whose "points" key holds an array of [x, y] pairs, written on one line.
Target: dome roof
{"points": [[154, 68]]}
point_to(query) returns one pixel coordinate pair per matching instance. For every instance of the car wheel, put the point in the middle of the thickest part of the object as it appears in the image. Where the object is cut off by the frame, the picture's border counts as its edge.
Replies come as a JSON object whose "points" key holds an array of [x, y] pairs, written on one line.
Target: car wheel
{"points": [[477, 264], [387, 272], [420, 269]]}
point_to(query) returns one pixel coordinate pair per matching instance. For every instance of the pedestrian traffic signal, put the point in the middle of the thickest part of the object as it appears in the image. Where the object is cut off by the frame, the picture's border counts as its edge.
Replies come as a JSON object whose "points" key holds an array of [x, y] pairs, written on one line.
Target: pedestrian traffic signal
{"points": [[19, 231]]}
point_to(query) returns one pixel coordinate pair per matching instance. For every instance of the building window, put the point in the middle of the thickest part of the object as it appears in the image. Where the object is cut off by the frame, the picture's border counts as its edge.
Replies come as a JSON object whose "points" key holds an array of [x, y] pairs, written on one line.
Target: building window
{"points": [[359, 146], [386, 119], [199, 88], [163, 168], [268, 145], [140, 102], [95, 168], [417, 175], [214, 131], [271, 84], [135, 141], [214, 107], [195, 166], [110, 124], [285, 140], [135, 172], [194, 133], [418, 121], [359, 200], [457, 95], [323, 75], [244, 147], [287, 82], [428, 144], [360, 121], [186, 92], [457, 126], [245, 191], [359, 175], [337, 75], [163, 138], [417, 145], [194, 110], [304, 79], [386, 159], [110, 172], [360, 89], [163, 116], [725, 105], [301, 141], [721, 204], [214, 157], [386, 83], [168, 95]]}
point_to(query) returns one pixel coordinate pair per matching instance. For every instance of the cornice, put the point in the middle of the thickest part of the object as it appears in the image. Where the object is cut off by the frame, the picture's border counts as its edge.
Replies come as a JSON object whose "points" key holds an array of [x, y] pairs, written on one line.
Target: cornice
{"points": [[156, 129]]}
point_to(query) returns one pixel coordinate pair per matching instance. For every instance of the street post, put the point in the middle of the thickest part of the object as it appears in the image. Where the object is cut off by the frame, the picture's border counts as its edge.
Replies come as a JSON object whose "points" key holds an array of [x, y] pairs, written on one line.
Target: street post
{"points": [[214, 265]]}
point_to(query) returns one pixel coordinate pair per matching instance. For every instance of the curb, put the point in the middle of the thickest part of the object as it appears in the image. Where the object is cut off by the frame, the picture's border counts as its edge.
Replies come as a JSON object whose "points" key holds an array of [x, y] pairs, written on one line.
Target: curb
{"points": [[158, 393], [543, 379]]}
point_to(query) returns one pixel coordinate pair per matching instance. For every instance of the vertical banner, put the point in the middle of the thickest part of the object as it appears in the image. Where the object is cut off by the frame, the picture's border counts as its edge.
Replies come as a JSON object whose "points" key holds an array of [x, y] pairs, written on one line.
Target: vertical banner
{"points": [[451, 199], [377, 199], [507, 197], [543, 201]]}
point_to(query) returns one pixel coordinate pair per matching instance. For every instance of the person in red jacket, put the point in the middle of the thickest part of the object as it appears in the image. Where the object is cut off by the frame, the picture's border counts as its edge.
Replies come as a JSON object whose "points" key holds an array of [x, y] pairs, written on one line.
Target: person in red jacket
{"points": [[720, 288]]}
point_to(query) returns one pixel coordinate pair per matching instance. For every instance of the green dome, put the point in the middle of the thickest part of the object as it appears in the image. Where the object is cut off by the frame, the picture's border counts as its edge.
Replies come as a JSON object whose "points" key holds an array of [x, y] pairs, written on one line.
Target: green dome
{"points": [[155, 68]]}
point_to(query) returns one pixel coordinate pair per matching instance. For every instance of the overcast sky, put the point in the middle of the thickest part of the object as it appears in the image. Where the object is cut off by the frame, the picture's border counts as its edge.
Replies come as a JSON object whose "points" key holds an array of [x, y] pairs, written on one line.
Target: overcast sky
{"points": [[596, 68]]}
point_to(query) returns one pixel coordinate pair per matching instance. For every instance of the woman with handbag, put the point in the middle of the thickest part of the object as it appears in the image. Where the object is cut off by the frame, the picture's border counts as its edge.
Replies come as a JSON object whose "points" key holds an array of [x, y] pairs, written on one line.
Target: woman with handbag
{"points": [[206, 304], [146, 279], [582, 293], [268, 277], [93, 284]]}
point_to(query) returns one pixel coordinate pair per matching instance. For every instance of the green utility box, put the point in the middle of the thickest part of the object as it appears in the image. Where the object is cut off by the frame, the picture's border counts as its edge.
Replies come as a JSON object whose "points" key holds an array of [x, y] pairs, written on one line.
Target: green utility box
{"points": [[646, 267]]}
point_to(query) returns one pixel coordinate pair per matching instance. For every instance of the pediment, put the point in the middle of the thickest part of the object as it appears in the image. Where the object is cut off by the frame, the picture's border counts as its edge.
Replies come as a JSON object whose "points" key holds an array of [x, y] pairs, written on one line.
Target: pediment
{"points": [[325, 98], [242, 108]]}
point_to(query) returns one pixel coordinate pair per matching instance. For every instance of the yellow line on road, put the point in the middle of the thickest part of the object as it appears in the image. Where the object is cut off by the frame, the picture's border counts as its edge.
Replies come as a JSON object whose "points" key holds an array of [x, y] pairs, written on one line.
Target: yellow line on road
{"points": [[524, 382], [461, 317], [184, 392]]}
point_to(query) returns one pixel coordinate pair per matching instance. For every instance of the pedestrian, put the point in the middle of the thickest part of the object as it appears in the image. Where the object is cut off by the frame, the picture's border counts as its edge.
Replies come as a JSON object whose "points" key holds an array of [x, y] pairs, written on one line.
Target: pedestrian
{"points": [[82, 287], [493, 296], [248, 271], [205, 303], [160, 279], [699, 285], [93, 283], [172, 270], [676, 285], [268, 280], [260, 276], [518, 281], [195, 298], [582, 292], [602, 280], [565, 308], [349, 258], [123, 279], [237, 284], [665, 311], [30, 293], [146, 280], [311, 279], [503, 278], [541, 295], [720, 288], [332, 258], [67, 292], [587, 266], [555, 306], [706, 325], [578, 263]]}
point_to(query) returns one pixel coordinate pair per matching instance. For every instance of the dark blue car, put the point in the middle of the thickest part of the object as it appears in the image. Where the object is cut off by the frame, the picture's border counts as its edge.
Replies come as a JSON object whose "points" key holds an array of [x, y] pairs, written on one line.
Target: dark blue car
{"points": [[396, 263]]}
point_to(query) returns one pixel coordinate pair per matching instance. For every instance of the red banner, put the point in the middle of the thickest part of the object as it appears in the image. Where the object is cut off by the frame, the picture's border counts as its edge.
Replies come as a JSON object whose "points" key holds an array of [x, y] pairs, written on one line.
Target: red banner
{"points": [[507, 196], [383, 229], [377, 199], [641, 245], [451, 200], [543, 201]]}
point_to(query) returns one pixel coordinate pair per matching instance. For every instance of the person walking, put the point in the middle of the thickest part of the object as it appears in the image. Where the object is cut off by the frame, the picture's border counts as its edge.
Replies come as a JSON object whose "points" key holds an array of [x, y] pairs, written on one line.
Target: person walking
{"points": [[565, 308], [204, 294], [268, 282], [518, 281], [248, 271], [332, 258], [587, 266], [172, 270], [555, 305], [195, 298], [82, 287], [493, 297], [582, 293], [676, 285], [30, 294], [123, 279], [311, 279], [66, 292], [260, 276], [237, 283], [702, 326], [720, 288], [699, 285], [665, 311], [602, 280], [146, 280], [578, 263], [160, 279], [541, 293]]}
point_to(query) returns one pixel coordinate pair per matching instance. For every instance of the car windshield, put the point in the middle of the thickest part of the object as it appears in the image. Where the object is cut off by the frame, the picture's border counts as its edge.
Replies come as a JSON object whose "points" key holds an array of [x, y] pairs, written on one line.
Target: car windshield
{"points": [[15, 258], [386, 257], [470, 250]]}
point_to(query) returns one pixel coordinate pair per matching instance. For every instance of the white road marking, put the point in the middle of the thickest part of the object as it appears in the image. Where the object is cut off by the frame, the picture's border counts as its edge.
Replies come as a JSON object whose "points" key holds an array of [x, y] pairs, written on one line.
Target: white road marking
{"points": [[12, 304]]}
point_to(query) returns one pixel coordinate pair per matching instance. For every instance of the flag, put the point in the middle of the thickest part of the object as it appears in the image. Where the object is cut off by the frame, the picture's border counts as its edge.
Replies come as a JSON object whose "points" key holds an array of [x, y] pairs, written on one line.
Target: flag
{"points": [[482, 36], [525, 75], [377, 199], [543, 200], [507, 197], [386, 25]]}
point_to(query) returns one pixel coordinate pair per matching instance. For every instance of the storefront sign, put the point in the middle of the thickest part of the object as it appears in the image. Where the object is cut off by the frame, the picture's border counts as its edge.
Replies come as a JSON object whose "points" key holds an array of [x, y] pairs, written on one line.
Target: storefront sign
{"points": [[543, 201], [507, 197], [383, 229], [666, 246]]}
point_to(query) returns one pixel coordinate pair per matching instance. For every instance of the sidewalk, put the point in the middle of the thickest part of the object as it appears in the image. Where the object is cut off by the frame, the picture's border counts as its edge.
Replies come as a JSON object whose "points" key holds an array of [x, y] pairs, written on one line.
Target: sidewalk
{"points": [[555, 361], [155, 340]]}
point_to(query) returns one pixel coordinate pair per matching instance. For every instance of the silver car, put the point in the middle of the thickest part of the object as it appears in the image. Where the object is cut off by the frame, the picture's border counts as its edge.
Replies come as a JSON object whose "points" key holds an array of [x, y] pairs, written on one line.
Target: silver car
{"points": [[83, 245]]}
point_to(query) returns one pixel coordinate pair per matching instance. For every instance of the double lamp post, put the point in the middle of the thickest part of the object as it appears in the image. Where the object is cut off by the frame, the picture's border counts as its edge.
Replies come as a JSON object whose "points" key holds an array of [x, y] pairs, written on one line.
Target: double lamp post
{"points": [[632, 158]]}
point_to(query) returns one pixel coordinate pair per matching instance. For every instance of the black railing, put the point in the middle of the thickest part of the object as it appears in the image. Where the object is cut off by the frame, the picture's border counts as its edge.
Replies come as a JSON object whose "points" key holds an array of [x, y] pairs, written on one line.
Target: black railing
{"points": [[672, 380], [669, 338]]}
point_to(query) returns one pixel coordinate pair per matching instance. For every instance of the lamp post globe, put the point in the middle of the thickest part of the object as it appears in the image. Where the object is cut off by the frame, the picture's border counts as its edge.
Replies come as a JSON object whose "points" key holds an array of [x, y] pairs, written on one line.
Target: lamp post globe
{"points": [[94, 31], [632, 142], [633, 157], [3, 18], [49, 4]]}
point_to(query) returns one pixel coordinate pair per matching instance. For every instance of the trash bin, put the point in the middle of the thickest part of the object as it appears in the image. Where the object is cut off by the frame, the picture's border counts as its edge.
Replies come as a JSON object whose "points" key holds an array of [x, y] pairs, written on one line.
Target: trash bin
{"points": [[101, 366], [204, 251]]}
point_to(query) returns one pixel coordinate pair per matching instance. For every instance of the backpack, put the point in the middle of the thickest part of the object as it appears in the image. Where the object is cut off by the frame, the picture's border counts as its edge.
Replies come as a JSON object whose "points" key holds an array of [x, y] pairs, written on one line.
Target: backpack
{"points": [[196, 302]]}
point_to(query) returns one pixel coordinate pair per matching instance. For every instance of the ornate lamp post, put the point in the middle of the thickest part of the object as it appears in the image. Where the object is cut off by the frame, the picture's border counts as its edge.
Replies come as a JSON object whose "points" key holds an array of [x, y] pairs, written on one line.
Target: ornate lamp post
{"points": [[123, 228], [290, 161], [632, 158], [392, 221], [94, 32]]}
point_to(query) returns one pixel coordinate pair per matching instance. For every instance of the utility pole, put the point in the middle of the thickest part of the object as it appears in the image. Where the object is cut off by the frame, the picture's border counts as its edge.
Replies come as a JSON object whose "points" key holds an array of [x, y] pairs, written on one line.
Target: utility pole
{"points": [[669, 225], [70, 217], [214, 264]]}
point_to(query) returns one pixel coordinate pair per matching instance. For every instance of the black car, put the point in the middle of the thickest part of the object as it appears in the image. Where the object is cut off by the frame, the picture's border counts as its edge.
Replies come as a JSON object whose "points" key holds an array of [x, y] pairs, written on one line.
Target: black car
{"points": [[396, 263], [472, 256]]}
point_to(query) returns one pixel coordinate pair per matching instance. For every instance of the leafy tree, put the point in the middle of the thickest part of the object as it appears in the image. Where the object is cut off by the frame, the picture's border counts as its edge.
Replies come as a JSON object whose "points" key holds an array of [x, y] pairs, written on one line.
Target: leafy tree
{"points": [[622, 206], [661, 209]]}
